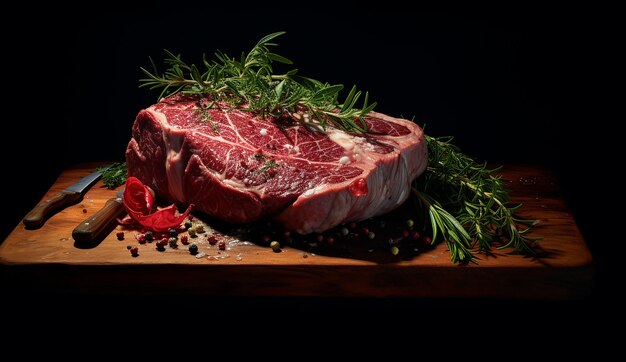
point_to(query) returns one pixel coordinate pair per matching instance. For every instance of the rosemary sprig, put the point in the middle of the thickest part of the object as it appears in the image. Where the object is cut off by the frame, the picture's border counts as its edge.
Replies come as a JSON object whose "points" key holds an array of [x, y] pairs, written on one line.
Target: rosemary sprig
{"points": [[249, 83], [467, 204]]}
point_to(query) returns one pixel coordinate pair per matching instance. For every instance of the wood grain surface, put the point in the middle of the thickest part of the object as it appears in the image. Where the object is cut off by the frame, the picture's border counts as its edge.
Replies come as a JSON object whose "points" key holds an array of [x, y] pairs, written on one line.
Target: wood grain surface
{"points": [[48, 260]]}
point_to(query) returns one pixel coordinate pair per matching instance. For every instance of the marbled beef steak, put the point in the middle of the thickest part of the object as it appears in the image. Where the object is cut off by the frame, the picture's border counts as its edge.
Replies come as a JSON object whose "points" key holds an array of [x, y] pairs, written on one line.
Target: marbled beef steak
{"points": [[240, 167]]}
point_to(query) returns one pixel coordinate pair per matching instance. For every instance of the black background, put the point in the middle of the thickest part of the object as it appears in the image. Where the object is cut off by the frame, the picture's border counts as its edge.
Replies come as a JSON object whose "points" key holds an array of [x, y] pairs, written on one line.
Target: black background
{"points": [[517, 87]]}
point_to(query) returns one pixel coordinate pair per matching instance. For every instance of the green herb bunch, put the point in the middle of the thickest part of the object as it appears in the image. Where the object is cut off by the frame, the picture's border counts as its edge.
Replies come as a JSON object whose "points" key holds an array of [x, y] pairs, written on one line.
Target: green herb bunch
{"points": [[467, 204], [250, 82]]}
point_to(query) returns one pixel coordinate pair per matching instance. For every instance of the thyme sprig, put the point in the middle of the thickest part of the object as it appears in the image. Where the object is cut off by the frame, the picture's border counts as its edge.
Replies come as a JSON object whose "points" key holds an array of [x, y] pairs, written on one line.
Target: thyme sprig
{"points": [[249, 82], [468, 204]]}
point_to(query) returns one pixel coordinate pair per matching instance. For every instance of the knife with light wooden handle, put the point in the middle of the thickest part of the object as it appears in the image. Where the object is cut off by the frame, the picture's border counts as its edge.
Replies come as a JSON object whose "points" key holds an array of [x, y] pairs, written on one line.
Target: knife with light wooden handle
{"points": [[37, 216], [95, 226]]}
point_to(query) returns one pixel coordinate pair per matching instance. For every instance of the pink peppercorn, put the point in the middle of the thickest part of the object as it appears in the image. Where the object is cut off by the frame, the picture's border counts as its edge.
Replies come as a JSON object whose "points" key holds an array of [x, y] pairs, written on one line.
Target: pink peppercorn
{"points": [[141, 238], [184, 239]]}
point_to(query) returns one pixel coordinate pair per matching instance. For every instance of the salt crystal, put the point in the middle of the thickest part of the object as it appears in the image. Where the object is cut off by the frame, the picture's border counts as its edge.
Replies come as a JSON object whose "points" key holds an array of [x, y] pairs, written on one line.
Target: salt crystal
{"points": [[344, 160], [200, 255], [263, 132]]}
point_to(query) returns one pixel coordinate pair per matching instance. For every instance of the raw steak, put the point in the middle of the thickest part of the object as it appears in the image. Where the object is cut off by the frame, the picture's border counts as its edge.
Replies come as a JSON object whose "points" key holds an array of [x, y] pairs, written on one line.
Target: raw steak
{"points": [[241, 168]]}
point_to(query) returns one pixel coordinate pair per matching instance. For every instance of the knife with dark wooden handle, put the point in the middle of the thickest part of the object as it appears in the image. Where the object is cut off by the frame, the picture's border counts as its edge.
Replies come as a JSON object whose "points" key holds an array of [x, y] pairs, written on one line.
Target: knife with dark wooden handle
{"points": [[37, 216], [47, 207], [95, 226]]}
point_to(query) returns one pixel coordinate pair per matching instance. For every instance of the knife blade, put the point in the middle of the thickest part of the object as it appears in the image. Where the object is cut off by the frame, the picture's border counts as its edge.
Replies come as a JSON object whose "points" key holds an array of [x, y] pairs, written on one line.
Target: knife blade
{"points": [[38, 215], [95, 226]]}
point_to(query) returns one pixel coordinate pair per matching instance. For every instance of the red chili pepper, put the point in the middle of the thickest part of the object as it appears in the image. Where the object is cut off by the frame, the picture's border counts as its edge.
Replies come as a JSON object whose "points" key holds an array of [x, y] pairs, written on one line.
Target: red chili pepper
{"points": [[139, 201], [137, 197]]}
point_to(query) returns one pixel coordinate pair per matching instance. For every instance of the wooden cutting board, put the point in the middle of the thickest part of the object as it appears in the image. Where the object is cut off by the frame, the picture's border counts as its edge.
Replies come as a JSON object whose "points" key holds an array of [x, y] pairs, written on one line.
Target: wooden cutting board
{"points": [[48, 260]]}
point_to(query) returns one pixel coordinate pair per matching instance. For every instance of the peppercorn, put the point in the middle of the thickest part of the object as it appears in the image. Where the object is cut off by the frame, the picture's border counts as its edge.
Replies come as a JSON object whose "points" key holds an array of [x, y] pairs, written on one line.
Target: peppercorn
{"points": [[330, 240], [212, 240], [200, 229], [134, 251], [371, 235], [345, 231], [120, 235], [193, 249], [184, 239], [427, 239], [173, 233], [149, 236], [222, 245], [275, 245], [192, 232], [173, 242], [395, 250], [160, 245], [410, 223], [188, 224], [141, 238], [129, 247]]}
